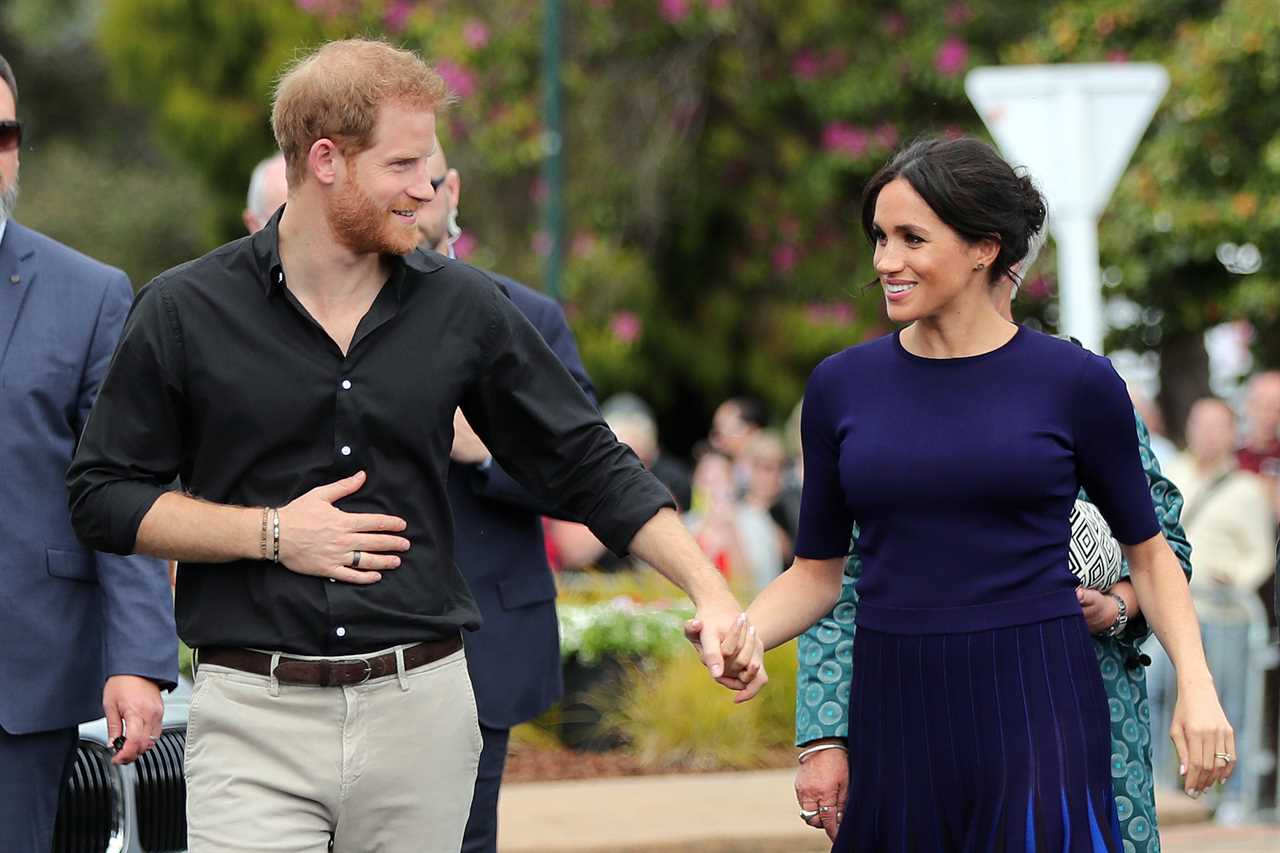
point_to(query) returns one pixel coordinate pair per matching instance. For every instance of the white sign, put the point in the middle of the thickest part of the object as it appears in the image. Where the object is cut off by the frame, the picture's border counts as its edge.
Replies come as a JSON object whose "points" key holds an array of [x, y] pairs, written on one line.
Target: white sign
{"points": [[1074, 127]]}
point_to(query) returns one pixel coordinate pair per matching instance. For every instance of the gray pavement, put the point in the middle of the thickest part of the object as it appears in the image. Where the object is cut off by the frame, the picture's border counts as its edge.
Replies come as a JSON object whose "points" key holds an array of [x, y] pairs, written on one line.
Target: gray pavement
{"points": [[745, 813]]}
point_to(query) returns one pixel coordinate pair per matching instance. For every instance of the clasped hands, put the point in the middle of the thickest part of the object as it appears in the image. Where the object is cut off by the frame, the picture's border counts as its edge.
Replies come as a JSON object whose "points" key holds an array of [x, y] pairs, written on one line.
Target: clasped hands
{"points": [[730, 648]]}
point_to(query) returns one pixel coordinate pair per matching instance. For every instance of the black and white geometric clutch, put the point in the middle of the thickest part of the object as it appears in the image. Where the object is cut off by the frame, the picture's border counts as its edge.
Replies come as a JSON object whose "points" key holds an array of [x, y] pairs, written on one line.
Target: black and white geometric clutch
{"points": [[1094, 553]]}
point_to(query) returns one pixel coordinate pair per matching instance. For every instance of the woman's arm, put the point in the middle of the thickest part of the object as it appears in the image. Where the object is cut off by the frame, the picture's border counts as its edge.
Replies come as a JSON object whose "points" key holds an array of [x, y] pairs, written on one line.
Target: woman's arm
{"points": [[1200, 730], [796, 599]]}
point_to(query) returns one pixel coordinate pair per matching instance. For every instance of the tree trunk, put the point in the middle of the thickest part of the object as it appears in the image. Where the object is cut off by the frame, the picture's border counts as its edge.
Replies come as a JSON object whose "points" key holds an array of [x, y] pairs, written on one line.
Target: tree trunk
{"points": [[1184, 378]]}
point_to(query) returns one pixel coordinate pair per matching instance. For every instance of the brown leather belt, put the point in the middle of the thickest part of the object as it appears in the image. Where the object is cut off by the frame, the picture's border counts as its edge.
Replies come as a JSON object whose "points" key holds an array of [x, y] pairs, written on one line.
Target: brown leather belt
{"points": [[342, 672]]}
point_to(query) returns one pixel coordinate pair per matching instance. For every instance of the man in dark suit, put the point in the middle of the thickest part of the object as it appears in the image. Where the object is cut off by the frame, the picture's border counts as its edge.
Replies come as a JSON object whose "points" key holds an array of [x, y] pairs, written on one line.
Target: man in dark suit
{"points": [[81, 633], [514, 658]]}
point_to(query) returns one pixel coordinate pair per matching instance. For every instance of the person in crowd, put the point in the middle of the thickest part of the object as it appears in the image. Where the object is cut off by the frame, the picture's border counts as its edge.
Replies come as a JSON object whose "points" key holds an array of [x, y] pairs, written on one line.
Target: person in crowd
{"points": [[1260, 450], [84, 633], [734, 424], [1115, 621], [1229, 522], [629, 411], [762, 510], [268, 190], [303, 382], [514, 659], [713, 518], [1149, 413], [959, 445]]}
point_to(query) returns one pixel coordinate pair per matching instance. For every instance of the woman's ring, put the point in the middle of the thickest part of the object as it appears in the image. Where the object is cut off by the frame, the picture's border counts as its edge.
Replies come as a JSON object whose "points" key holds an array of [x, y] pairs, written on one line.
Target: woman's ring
{"points": [[807, 815], [1225, 756]]}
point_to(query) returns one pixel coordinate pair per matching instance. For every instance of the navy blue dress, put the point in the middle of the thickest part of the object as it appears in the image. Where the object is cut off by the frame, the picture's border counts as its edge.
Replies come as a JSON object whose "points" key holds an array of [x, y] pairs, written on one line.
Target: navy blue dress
{"points": [[978, 719]]}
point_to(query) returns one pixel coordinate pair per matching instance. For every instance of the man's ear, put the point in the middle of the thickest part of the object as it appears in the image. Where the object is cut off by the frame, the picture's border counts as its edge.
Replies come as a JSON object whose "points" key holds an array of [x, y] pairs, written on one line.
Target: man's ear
{"points": [[325, 161]]}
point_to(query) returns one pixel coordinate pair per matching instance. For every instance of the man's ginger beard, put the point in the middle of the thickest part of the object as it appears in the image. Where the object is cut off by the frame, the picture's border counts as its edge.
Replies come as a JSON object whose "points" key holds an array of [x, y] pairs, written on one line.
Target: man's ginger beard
{"points": [[363, 227]]}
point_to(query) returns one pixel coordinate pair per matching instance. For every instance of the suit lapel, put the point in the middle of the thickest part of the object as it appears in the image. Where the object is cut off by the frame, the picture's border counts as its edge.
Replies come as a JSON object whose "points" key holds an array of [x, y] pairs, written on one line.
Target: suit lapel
{"points": [[17, 274]]}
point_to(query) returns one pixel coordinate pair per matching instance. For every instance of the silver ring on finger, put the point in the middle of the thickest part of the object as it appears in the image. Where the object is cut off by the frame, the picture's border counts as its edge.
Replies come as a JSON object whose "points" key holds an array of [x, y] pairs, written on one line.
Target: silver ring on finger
{"points": [[355, 559], [807, 815], [1225, 756]]}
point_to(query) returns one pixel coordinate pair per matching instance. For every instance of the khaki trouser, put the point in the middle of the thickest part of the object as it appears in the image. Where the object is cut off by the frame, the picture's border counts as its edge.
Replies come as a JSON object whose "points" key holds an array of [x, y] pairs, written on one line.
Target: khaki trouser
{"points": [[385, 766]]}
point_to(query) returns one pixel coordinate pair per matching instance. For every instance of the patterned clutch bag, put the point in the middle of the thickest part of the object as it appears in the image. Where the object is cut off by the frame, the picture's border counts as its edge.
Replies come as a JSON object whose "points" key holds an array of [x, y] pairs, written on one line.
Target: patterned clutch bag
{"points": [[1094, 553]]}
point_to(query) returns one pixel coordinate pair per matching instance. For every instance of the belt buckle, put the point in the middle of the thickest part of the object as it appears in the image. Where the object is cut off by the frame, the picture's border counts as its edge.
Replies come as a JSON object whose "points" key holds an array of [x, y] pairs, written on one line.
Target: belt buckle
{"points": [[368, 670]]}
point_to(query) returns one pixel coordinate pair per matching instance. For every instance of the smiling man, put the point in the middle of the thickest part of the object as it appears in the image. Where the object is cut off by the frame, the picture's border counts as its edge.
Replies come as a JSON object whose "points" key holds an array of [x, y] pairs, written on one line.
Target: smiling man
{"points": [[302, 383]]}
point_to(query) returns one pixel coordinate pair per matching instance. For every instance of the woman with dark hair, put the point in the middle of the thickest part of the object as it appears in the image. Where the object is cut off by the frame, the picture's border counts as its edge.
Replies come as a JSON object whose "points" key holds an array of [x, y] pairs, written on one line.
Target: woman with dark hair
{"points": [[977, 717]]}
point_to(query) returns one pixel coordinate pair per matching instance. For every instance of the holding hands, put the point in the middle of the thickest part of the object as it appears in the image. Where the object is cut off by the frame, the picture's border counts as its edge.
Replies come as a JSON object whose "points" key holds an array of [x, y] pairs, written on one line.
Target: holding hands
{"points": [[730, 649]]}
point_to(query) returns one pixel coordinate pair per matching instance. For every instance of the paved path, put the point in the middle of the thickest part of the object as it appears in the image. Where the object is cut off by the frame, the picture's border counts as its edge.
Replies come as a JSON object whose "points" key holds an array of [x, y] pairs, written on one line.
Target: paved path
{"points": [[741, 813]]}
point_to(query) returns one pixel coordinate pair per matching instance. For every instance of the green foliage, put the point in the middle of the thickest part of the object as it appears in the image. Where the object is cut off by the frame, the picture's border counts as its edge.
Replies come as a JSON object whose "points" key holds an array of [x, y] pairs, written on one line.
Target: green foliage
{"points": [[675, 716], [621, 629], [715, 154], [129, 215]]}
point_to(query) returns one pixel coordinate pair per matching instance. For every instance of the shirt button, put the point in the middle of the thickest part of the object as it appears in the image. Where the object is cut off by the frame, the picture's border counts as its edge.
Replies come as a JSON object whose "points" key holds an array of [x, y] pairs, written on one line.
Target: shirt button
{"points": [[341, 632], [346, 451], [346, 385]]}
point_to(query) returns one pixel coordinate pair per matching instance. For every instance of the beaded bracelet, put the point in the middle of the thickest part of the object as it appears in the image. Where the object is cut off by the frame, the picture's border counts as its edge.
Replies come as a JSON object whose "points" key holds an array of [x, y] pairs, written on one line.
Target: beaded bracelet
{"points": [[275, 535], [266, 524], [804, 754]]}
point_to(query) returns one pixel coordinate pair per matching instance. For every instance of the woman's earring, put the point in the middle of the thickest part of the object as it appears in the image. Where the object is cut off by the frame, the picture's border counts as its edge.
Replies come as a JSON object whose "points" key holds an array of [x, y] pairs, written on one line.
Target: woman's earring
{"points": [[980, 267]]}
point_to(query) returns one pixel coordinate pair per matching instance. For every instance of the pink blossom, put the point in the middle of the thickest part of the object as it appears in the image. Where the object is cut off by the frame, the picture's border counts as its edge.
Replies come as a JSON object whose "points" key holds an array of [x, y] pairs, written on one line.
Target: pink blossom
{"points": [[959, 14], [674, 11], [541, 243], [538, 191], [1118, 56], [583, 244], [806, 65], [464, 246], [475, 34], [397, 15], [459, 80], [952, 57], [308, 5], [886, 135], [894, 24], [1038, 288], [785, 258], [626, 326], [841, 138]]}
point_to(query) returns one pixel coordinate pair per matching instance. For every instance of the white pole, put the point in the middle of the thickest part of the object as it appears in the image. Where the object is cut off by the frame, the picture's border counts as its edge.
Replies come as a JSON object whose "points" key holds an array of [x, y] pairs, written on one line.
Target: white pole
{"points": [[1079, 284]]}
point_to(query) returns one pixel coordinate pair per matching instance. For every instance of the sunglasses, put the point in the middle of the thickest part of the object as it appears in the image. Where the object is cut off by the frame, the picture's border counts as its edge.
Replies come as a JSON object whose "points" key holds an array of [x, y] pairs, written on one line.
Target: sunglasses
{"points": [[437, 183], [10, 135]]}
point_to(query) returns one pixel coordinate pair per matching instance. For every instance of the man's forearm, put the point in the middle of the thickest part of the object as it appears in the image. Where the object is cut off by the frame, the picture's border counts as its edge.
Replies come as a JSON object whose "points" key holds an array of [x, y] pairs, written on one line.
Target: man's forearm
{"points": [[180, 527], [664, 544]]}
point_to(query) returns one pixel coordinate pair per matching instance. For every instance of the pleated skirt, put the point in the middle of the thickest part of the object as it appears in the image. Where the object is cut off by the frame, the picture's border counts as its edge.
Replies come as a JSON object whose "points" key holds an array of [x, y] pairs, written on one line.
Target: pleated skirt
{"points": [[985, 742]]}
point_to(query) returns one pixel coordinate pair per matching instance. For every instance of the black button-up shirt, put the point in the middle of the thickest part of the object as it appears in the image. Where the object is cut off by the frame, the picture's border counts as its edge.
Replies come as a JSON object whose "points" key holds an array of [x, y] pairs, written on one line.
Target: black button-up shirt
{"points": [[225, 382]]}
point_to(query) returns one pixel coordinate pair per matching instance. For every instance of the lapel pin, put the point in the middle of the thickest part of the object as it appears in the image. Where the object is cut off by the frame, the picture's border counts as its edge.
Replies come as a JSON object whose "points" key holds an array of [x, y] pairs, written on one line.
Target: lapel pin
{"points": [[15, 278]]}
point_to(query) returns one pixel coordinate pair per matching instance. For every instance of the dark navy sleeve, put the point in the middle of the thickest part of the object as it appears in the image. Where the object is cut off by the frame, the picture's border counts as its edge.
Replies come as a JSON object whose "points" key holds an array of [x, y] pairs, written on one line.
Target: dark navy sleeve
{"points": [[1108, 463], [825, 522]]}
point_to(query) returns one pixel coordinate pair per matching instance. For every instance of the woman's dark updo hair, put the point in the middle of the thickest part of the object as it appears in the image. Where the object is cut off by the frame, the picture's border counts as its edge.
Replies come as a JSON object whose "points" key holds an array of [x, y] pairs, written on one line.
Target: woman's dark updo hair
{"points": [[971, 188]]}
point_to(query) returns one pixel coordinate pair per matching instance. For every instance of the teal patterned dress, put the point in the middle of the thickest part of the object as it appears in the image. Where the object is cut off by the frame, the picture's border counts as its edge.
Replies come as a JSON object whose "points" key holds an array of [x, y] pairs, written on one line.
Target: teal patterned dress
{"points": [[826, 670]]}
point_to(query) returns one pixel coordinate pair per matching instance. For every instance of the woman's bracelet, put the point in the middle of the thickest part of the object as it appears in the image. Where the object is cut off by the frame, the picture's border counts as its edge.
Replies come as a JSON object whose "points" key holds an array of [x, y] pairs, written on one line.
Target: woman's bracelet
{"points": [[805, 753]]}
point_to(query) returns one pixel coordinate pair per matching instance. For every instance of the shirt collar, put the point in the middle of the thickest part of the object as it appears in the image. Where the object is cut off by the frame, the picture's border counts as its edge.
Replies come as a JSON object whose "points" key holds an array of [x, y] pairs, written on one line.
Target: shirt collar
{"points": [[266, 251], [4, 223]]}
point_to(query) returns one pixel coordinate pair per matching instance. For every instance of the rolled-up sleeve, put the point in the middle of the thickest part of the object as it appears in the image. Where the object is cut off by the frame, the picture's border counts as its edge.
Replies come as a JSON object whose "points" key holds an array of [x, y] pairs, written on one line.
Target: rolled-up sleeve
{"points": [[544, 430], [130, 450]]}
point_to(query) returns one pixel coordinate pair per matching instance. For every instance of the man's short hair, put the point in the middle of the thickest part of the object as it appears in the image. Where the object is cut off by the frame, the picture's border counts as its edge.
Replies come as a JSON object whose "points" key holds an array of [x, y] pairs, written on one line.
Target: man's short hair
{"points": [[257, 184], [6, 74], [335, 93]]}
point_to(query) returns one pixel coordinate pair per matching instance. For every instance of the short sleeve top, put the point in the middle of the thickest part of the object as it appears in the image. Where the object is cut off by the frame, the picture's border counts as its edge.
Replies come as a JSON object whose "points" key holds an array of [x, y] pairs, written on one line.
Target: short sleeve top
{"points": [[962, 473]]}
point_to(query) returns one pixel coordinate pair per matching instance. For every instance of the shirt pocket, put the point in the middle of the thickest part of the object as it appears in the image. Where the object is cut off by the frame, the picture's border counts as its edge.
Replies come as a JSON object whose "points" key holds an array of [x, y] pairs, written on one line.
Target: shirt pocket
{"points": [[522, 592], [71, 565]]}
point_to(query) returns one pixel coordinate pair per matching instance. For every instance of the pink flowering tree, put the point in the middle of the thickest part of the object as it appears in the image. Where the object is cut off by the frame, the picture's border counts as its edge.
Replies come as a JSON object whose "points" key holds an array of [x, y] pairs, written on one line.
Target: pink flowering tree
{"points": [[716, 150]]}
